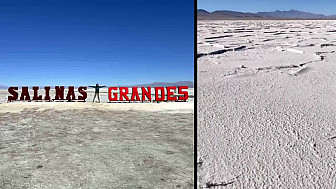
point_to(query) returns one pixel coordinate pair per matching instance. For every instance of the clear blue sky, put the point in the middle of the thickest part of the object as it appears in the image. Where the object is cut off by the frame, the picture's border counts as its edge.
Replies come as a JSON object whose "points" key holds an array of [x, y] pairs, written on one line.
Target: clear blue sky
{"points": [[81, 42], [327, 7]]}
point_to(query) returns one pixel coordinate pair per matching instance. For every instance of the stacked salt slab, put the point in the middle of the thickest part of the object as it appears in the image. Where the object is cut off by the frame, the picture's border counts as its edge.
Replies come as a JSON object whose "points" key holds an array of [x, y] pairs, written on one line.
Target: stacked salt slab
{"points": [[266, 104]]}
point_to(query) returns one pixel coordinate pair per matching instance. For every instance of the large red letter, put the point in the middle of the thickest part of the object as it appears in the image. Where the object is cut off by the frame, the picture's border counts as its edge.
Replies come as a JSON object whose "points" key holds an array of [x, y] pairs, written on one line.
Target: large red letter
{"points": [[12, 91], [157, 94], [81, 91], [25, 93], [59, 92], [36, 93], [147, 93], [115, 95], [169, 93], [71, 93], [47, 96], [135, 94], [123, 93], [185, 97]]}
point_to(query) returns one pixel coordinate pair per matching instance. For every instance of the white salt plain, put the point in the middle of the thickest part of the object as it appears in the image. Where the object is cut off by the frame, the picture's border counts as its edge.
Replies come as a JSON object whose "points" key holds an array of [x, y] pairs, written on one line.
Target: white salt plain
{"points": [[96, 145], [266, 104], [165, 107]]}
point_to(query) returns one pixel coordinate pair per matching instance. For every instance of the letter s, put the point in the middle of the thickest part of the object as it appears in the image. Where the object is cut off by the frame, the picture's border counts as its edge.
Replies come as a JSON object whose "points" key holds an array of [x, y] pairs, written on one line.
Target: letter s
{"points": [[12, 91], [185, 93], [81, 91]]}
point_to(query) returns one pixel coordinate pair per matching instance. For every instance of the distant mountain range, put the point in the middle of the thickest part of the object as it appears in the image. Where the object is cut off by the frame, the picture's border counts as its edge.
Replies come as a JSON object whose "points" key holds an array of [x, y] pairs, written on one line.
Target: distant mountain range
{"points": [[232, 15], [190, 84]]}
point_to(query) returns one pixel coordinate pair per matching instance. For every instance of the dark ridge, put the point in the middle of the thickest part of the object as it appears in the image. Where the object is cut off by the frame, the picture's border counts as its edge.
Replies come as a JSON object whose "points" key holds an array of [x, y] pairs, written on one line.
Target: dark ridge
{"points": [[209, 185], [275, 15], [217, 37], [220, 51]]}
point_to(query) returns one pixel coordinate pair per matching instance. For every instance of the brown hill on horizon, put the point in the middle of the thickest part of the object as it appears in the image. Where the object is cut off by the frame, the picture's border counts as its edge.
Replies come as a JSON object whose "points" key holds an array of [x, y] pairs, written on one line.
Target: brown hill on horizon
{"points": [[275, 15]]}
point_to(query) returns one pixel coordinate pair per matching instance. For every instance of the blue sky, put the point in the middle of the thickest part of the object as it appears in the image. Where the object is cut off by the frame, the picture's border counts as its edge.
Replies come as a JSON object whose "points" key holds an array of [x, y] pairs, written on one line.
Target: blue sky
{"points": [[81, 42], [327, 7]]}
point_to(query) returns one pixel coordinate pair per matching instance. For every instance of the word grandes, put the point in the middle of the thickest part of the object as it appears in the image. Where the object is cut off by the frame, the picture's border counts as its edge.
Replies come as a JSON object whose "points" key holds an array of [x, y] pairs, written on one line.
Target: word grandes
{"points": [[160, 94]]}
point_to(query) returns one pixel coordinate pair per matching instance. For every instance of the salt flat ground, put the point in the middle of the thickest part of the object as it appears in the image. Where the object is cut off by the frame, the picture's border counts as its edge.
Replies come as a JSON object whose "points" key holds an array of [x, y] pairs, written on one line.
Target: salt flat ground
{"points": [[96, 145], [266, 104]]}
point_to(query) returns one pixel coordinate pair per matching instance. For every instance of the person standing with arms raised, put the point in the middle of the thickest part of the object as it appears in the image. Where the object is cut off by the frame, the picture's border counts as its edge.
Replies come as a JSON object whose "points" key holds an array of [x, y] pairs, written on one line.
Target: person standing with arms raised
{"points": [[96, 91]]}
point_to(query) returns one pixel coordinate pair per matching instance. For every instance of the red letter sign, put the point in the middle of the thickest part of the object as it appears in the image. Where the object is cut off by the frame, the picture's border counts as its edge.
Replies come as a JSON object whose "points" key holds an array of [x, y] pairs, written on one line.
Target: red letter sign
{"points": [[157, 94], [115, 95], [12, 91]]}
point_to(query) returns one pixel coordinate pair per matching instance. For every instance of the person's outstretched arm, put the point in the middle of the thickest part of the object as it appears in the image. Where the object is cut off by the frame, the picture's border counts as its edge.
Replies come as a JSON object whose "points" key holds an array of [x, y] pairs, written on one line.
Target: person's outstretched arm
{"points": [[92, 86], [102, 86]]}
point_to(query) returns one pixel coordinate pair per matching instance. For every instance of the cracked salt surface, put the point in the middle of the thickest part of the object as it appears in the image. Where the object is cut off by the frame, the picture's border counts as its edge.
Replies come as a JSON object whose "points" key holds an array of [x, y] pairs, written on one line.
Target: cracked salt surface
{"points": [[266, 113]]}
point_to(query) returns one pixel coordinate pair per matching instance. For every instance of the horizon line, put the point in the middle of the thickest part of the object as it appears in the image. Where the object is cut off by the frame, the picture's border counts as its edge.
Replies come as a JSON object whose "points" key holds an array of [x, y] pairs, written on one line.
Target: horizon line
{"points": [[156, 82], [264, 11]]}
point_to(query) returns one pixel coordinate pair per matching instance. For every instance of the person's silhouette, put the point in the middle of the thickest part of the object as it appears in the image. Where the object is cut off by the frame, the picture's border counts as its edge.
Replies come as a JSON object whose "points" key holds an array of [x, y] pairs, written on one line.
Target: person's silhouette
{"points": [[96, 91]]}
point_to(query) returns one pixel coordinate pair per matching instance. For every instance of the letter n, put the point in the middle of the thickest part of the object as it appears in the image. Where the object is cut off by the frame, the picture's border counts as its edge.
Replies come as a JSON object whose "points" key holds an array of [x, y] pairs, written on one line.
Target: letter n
{"points": [[59, 92]]}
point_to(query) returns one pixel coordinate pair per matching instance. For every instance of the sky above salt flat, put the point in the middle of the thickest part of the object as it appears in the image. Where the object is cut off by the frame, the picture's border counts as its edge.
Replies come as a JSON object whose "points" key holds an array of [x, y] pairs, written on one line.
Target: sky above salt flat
{"points": [[327, 7], [82, 42]]}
